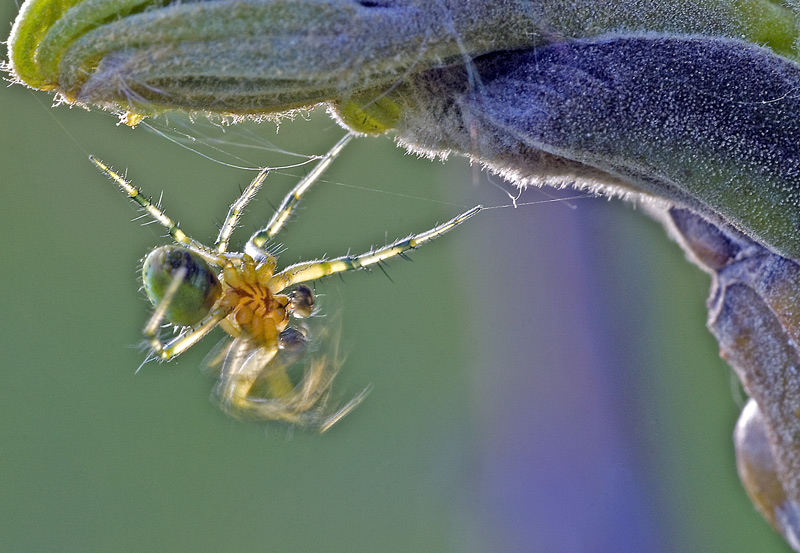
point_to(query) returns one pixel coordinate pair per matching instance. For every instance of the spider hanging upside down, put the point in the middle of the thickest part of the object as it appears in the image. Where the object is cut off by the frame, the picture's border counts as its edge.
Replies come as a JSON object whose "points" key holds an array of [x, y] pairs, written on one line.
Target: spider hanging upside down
{"points": [[195, 288]]}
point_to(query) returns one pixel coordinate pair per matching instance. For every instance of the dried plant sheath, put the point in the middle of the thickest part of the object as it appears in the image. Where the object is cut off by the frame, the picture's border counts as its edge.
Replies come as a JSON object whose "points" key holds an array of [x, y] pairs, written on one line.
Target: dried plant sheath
{"points": [[758, 471], [753, 313]]}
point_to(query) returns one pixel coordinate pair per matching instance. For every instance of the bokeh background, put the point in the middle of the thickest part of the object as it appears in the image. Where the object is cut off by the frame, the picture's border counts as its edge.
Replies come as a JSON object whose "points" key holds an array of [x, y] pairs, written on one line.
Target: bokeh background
{"points": [[542, 377]]}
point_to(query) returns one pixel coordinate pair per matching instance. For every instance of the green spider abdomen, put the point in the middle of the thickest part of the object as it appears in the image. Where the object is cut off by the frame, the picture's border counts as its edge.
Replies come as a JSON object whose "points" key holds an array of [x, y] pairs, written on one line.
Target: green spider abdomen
{"points": [[197, 292]]}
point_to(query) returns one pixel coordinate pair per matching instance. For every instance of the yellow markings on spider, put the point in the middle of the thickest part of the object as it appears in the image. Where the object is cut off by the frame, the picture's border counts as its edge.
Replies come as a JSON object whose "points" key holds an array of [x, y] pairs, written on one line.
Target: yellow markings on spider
{"points": [[195, 288]]}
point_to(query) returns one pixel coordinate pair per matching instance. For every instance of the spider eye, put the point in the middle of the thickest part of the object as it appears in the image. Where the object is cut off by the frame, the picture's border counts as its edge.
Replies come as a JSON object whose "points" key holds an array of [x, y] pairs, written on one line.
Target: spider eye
{"points": [[302, 301], [292, 340], [196, 294]]}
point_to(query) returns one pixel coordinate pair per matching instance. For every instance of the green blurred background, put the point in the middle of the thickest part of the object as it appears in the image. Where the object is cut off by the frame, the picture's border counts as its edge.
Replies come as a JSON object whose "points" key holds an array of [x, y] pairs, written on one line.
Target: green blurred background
{"points": [[543, 380]]}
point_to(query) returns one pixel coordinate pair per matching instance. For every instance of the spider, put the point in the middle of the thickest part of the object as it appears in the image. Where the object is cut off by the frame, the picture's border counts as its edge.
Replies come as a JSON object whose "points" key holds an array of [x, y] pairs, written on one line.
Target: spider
{"points": [[195, 288]]}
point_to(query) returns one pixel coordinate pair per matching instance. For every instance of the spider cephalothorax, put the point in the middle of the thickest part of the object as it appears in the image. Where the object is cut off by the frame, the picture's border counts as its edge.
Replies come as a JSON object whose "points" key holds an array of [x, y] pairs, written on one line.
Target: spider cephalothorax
{"points": [[254, 309]]}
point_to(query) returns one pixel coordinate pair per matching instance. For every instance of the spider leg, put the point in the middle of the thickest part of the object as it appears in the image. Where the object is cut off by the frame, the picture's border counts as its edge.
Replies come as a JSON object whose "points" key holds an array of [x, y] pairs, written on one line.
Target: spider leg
{"points": [[344, 410], [312, 270], [186, 339], [255, 384], [159, 215], [254, 381], [235, 211], [256, 243]]}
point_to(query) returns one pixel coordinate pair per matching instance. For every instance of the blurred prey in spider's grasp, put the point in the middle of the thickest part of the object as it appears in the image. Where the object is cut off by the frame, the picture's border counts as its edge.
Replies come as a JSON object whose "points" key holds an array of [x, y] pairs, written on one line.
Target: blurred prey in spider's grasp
{"points": [[194, 288]]}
